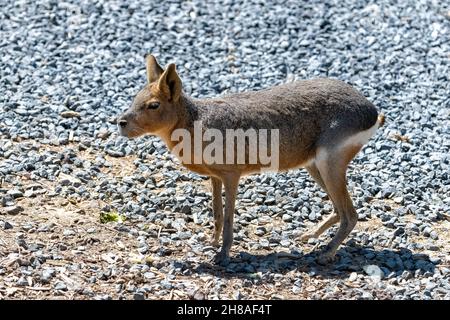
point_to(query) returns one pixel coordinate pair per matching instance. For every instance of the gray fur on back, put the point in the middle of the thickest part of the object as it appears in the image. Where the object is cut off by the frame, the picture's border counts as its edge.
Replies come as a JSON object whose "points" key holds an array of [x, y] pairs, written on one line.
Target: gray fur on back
{"points": [[308, 113]]}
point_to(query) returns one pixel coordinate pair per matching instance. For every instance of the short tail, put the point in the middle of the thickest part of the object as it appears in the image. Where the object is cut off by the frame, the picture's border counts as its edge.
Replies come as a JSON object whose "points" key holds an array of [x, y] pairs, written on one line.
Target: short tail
{"points": [[381, 120]]}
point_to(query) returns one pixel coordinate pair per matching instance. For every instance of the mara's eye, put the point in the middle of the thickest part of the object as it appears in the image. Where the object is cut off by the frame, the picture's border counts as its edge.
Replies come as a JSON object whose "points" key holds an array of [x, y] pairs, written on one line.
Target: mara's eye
{"points": [[153, 105]]}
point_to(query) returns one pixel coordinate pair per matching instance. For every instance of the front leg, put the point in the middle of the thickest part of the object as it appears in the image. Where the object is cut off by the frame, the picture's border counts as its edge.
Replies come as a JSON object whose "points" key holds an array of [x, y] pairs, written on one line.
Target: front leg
{"points": [[231, 183], [217, 207]]}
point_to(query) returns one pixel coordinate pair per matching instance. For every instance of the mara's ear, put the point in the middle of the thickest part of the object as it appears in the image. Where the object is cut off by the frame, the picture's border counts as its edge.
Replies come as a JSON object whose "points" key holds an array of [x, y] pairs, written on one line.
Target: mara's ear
{"points": [[154, 71], [170, 82]]}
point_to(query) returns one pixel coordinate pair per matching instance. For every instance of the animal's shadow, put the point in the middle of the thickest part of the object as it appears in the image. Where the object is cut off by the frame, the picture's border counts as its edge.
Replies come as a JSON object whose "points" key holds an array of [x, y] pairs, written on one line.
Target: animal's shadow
{"points": [[393, 263]]}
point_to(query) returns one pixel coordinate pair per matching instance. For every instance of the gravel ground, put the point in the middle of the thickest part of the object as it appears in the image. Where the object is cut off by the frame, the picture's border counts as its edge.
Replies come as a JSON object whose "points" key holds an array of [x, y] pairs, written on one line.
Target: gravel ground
{"points": [[68, 68]]}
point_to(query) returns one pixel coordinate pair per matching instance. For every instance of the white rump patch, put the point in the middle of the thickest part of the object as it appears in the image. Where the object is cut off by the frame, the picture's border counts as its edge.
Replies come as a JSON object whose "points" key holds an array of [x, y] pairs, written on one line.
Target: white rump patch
{"points": [[361, 138], [358, 139]]}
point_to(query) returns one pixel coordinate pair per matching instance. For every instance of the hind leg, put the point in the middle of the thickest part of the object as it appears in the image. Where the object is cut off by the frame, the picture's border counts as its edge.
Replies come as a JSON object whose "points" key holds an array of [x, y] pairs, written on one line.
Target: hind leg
{"points": [[333, 219], [332, 165], [315, 174]]}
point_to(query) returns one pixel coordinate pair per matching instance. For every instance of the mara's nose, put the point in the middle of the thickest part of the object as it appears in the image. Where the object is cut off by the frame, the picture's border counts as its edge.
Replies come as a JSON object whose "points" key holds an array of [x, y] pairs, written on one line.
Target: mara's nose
{"points": [[122, 123]]}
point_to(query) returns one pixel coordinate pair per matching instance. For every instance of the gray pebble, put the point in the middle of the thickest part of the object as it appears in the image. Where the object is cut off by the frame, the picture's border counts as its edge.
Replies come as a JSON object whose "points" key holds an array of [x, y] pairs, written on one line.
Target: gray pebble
{"points": [[13, 210]]}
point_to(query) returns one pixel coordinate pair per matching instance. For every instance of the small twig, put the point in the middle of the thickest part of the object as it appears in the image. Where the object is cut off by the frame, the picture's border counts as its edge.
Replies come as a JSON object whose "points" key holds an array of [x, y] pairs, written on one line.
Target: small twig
{"points": [[159, 231], [3, 242], [40, 288]]}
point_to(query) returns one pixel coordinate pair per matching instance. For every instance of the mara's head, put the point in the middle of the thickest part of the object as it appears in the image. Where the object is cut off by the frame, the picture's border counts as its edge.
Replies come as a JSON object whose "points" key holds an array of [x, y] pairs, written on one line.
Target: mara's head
{"points": [[154, 108]]}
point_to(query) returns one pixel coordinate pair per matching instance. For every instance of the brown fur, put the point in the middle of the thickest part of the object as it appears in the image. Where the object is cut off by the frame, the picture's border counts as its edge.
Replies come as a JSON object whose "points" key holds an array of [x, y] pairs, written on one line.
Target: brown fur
{"points": [[311, 115]]}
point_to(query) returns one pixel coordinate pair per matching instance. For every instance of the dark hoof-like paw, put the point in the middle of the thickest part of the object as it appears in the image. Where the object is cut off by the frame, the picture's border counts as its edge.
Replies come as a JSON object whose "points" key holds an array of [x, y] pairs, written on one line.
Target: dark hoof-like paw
{"points": [[221, 259]]}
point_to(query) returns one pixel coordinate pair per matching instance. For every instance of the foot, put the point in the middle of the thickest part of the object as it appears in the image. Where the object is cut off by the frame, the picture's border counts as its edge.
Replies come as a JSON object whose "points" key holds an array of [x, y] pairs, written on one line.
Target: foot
{"points": [[222, 259], [214, 241], [305, 237]]}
